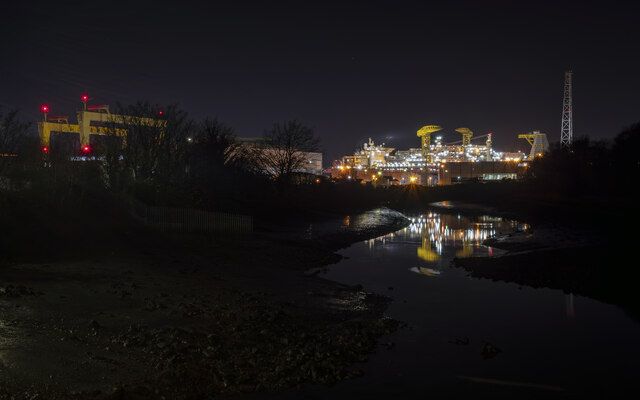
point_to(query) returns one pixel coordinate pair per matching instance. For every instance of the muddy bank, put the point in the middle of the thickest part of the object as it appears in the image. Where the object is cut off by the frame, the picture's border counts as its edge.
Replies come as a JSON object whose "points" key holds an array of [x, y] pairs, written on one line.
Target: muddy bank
{"points": [[585, 254], [576, 261], [183, 318], [337, 233]]}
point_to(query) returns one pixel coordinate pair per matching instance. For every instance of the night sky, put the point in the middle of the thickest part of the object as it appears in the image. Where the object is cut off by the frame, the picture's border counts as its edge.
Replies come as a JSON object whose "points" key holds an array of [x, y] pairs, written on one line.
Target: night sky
{"points": [[351, 70]]}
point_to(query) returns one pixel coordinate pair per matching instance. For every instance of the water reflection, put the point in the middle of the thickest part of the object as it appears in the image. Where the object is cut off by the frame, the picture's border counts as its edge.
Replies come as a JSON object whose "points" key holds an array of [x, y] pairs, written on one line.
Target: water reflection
{"points": [[463, 234], [425, 271], [571, 312], [549, 339], [370, 219], [346, 223]]}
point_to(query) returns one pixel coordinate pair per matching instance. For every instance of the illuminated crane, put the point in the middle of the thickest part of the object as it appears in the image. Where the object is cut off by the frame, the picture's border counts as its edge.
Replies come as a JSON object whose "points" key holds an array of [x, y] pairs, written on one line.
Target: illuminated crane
{"points": [[89, 114], [466, 135], [425, 134], [538, 141]]}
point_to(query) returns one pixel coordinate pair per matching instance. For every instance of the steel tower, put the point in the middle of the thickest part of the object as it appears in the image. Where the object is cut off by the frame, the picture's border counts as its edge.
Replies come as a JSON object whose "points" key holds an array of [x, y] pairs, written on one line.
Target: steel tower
{"points": [[566, 134]]}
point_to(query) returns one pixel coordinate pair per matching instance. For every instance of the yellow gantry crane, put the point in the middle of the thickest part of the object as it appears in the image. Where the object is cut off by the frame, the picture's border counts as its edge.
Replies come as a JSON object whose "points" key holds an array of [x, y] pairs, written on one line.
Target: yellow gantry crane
{"points": [[425, 134], [538, 141], [466, 135], [88, 115]]}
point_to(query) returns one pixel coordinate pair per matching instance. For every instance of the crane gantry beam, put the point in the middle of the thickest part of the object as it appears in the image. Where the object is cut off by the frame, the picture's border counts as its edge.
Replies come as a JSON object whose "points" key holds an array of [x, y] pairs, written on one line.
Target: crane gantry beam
{"points": [[85, 118], [470, 139], [45, 128]]}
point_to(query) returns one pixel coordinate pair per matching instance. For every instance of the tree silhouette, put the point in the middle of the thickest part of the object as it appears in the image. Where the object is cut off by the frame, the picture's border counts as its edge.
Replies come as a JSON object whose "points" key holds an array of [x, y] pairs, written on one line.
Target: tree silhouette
{"points": [[154, 151], [286, 145], [626, 159], [12, 136], [211, 150]]}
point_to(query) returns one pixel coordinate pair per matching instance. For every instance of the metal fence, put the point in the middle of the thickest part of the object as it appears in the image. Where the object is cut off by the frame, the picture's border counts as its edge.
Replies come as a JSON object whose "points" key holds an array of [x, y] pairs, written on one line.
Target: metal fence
{"points": [[191, 220], [187, 219]]}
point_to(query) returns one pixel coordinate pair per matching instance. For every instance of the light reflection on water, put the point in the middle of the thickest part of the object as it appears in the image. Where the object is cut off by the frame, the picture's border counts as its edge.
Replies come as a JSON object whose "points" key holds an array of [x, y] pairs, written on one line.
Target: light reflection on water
{"points": [[547, 337], [437, 231]]}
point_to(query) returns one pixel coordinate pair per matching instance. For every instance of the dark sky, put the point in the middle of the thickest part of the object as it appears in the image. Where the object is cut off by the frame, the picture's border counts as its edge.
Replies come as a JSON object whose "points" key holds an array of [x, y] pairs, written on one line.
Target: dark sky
{"points": [[351, 70]]}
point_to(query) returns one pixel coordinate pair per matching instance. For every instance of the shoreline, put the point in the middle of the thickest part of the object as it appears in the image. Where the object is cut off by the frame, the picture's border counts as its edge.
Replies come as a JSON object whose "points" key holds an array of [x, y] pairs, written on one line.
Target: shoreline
{"points": [[177, 321], [574, 259]]}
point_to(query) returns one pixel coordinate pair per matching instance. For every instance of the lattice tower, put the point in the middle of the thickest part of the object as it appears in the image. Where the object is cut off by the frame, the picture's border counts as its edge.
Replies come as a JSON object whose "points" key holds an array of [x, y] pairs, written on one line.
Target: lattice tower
{"points": [[566, 134]]}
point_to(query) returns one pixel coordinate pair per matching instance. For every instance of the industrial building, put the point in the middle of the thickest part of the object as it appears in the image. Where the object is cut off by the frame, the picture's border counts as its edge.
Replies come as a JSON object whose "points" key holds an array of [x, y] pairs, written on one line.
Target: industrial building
{"points": [[306, 162], [437, 163]]}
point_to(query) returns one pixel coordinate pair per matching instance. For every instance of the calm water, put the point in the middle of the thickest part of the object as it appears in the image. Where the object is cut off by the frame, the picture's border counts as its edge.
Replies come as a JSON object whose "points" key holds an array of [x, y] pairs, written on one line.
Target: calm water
{"points": [[552, 343]]}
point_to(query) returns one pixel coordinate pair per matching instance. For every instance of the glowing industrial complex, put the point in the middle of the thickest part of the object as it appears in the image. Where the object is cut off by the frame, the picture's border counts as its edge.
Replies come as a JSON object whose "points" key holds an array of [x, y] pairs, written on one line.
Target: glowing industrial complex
{"points": [[437, 163]]}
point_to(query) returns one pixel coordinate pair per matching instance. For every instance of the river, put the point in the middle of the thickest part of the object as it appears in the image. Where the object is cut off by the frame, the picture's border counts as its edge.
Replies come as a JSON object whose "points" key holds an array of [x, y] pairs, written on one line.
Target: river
{"points": [[467, 336]]}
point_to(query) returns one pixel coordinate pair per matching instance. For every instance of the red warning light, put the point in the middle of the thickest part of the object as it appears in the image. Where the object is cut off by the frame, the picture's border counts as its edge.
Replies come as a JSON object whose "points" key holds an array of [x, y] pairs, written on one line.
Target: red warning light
{"points": [[84, 97], [160, 112], [44, 108], [45, 149], [86, 149]]}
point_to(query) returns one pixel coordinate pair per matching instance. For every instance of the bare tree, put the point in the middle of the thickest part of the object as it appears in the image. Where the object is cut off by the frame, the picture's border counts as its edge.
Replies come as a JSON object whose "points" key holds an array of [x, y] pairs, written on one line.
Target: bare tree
{"points": [[285, 148], [155, 146], [209, 148]]}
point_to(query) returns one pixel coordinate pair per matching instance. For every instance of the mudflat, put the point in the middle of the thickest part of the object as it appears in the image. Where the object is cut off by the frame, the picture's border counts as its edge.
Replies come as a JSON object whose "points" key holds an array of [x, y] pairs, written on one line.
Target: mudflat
{"points": [[181, 318]]}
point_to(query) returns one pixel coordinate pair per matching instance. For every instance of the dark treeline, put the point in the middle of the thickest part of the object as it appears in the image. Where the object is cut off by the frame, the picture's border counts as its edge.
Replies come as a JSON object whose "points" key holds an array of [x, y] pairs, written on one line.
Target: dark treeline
{"points": [[165, 158], [172, 160], [592, 168], [61, 197]]}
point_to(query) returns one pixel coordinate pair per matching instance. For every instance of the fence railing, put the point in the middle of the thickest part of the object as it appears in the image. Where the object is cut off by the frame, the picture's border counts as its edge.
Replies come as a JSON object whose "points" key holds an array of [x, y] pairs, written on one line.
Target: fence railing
{"points": [[187, 219]]}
